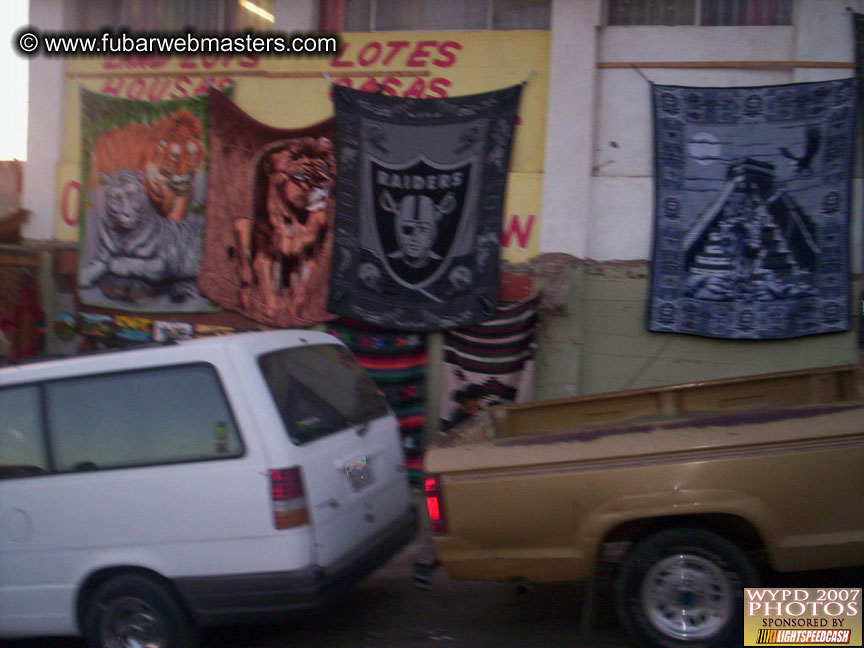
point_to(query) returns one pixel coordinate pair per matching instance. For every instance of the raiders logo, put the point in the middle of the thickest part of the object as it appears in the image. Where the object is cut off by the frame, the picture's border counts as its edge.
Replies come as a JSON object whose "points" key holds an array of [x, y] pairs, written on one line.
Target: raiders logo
{"points": [[419, 208]]}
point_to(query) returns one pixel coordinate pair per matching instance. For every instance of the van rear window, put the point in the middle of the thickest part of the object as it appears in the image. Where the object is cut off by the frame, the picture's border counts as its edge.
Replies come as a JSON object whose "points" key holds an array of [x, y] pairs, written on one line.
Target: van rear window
{"points": [[320, 390]]}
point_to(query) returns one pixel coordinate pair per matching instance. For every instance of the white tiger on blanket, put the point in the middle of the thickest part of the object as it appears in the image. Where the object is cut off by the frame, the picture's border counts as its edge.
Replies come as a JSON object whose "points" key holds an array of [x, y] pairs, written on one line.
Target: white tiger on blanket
{"points": [[136, 243]]}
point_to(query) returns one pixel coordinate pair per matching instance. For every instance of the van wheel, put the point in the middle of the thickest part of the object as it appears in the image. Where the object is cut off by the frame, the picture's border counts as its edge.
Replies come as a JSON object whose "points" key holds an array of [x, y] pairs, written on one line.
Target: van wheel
{"points": [[133, 611], [684, 587]]}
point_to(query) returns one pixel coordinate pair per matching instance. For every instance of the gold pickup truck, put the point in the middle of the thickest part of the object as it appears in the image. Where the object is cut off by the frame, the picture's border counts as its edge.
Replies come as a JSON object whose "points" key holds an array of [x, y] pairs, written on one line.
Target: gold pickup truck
{"points": [[697, 486]]}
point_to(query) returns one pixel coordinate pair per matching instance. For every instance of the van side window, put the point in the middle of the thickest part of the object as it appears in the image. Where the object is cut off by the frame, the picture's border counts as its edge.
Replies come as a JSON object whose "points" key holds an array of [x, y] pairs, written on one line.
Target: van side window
{"points": [[319, 390], [22, 445], [154, 416]]}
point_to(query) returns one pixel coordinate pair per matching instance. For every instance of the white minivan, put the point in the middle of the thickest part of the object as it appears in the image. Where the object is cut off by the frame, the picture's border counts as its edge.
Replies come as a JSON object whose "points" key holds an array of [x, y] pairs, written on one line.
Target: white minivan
{"points": [[147, 492]]}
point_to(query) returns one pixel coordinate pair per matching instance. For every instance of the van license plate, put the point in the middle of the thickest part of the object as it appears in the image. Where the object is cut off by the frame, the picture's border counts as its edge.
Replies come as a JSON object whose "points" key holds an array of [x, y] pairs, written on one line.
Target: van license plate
{"points": [[359, 473]]}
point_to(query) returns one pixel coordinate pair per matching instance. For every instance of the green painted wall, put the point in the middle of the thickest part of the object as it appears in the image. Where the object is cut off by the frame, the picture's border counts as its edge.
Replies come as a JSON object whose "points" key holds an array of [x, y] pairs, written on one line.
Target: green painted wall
{"points": [[600, 343]]}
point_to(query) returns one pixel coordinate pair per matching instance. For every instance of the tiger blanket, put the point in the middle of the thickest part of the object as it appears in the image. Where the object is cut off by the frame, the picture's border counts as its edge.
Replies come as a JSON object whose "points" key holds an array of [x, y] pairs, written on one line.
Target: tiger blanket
{"points": [[144, 166]]}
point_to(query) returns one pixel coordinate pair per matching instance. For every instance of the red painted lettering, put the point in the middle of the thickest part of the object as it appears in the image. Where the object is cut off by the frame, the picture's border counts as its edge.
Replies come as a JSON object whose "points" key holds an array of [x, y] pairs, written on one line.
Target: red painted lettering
{"points": [[69, 203], [180, 90], [158, 88], [447, 50], [206, 83], [337, 60], [369, 54], [187, 63], [137, 88], [514, 228], [395, 48], [249, 61], [113, 86], [390, 86], [439, 86], [420, 53], [371, 85], [209, 62], [416, 89]]}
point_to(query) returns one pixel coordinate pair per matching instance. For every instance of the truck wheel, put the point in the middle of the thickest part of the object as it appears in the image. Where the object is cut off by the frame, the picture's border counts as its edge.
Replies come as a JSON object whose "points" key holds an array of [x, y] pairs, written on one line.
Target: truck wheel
{"points": [[684, 587], [133, 611]]}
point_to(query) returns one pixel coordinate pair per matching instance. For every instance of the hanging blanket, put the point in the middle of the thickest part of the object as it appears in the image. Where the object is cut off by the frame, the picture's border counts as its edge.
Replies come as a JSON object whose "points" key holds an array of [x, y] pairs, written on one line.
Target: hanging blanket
{"points": [[269, 218], [489, 363], [418, 218], [752, 204], [396, 361], [143, 187]]}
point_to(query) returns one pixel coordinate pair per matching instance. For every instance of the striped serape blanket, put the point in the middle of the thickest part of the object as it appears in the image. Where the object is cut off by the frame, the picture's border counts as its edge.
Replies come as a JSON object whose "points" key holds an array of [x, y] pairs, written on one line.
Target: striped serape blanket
{"points": [[396, 361], [489, 363]]}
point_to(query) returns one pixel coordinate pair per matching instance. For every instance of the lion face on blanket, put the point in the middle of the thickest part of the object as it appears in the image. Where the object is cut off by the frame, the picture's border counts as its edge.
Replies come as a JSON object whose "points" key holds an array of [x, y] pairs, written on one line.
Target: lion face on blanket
{"points": [[287, 245]]}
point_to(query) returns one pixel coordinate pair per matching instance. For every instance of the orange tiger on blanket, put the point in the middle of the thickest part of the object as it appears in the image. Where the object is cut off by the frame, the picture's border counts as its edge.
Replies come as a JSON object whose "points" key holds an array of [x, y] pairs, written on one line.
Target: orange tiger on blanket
{"points": [[168, 154]]}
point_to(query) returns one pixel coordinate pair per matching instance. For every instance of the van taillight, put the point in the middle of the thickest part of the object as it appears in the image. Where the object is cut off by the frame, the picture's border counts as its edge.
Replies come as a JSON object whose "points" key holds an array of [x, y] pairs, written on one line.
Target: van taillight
{"points": [[435, 506], [289, 500]]}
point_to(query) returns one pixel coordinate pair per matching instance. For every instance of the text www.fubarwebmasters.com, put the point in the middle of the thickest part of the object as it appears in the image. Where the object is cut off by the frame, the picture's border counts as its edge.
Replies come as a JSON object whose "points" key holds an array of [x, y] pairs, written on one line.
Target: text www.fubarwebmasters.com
{"points": [[32, 42]]}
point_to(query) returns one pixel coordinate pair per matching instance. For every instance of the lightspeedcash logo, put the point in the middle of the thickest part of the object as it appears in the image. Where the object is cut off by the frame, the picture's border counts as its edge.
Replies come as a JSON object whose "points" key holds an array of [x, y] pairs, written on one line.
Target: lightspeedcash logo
{"points": [[802, 617]]}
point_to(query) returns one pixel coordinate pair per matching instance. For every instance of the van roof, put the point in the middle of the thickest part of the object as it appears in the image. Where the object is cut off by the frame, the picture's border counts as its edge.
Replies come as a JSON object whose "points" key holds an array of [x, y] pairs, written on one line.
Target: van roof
{"points": [[253, 343]]}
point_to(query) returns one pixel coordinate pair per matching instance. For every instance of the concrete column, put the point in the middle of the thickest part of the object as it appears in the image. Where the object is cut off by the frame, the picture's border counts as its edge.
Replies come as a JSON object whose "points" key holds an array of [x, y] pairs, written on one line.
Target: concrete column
{"points": [[570, 126], [45, 126], [296, 15], [824, 32]]}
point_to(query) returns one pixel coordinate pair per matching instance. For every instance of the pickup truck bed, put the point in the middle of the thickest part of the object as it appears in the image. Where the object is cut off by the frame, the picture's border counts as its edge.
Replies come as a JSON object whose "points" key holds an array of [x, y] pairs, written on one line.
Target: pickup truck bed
{"points": [[769, 465]]}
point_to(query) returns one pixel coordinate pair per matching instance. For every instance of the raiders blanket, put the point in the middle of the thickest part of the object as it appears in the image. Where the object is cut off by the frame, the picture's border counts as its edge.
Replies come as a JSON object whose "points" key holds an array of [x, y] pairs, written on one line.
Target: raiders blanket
{"points": [[143, 186], [752, 204], [269, 218], [420, 191], [489, 363], [397, 363]]}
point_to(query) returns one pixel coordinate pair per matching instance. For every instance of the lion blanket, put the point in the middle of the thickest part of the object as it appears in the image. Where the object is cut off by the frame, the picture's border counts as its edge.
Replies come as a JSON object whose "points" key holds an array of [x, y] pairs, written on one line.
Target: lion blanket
{"points": [[269, 218]]}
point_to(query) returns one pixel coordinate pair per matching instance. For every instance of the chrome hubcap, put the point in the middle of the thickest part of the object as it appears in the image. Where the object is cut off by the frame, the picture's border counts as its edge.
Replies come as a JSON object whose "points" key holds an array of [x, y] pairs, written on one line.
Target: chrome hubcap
{"points": [[129, 622], [687, 597]]}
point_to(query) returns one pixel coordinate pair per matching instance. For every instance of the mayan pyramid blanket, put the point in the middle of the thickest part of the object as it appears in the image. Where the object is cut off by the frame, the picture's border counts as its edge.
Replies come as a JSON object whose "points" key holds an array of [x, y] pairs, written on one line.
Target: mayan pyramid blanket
{"points": [[420, 191], [269, 218], [489, 363], [144, 179], [396, 361], [752, 204]]}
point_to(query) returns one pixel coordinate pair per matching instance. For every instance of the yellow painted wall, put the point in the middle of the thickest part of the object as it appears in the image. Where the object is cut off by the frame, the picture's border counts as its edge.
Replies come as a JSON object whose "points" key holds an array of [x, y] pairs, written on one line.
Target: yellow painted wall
{"points": [[292, 92]]}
